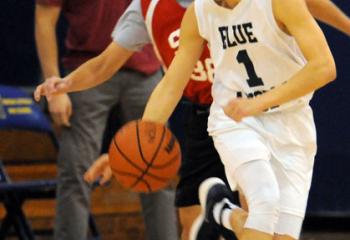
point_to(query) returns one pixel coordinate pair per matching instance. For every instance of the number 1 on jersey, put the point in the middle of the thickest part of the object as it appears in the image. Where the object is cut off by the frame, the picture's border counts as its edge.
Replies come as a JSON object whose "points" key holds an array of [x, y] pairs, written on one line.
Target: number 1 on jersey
{"points": [[253, 80]]}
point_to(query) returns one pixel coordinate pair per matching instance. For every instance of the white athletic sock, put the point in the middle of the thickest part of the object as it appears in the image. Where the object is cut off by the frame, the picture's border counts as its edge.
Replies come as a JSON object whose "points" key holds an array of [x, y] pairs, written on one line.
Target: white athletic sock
{"points": [[217, 210], [225, 213], [226, 218]]}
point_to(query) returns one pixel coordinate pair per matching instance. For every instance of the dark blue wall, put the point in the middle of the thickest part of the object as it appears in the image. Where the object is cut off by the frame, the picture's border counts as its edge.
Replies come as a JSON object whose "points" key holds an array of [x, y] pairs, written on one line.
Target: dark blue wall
{"points": [[18, 62], [331, 186], [18, 59]]}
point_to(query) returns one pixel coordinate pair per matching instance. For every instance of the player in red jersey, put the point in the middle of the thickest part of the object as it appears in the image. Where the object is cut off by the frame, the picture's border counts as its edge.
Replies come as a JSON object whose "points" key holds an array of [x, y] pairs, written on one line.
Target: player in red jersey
{"points": [[160, 21]]}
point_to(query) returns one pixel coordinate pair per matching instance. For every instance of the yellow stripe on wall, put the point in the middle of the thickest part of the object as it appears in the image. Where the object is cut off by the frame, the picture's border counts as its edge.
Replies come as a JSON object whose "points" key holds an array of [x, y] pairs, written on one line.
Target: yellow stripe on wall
{"points": [[17, 101], [19, 110]]}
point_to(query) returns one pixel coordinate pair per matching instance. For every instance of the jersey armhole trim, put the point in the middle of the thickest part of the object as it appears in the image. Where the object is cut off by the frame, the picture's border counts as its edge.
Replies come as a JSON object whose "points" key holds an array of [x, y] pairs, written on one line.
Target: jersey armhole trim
{"points": [[198, 10], [149, 12], [273, 21], [144, 6]]}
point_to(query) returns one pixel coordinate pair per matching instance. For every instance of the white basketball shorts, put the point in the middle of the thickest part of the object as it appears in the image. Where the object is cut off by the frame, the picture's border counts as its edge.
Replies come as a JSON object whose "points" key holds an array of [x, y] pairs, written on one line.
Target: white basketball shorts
{"points": [[286, 139]]}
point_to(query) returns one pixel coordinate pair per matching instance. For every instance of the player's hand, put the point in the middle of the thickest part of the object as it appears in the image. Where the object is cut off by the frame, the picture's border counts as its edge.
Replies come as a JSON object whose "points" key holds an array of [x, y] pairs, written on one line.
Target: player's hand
{"points": [[239, 108], [52, 86], [60, 108], [100, 170]]}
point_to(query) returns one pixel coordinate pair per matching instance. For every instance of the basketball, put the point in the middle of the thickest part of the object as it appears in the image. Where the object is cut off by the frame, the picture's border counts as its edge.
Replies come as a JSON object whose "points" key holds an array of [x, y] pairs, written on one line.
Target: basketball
{"points": [[144, 156]]}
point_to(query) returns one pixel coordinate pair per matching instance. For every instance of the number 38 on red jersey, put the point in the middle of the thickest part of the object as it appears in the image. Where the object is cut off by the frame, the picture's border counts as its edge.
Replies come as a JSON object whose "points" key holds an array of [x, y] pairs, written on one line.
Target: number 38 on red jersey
{"points": [[204, 69]]}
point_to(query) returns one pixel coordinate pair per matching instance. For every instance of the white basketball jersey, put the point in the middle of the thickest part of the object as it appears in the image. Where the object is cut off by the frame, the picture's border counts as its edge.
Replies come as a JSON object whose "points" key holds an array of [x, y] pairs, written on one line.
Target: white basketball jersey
{"points": [[251, 54]]}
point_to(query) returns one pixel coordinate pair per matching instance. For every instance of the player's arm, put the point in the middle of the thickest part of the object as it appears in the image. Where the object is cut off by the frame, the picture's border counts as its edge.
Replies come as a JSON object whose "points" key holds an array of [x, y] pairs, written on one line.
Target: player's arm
{"points": [[327, 12], [319, 70], [92, 73], [99, 69], [169, 91], [130, 35], [99, 171]]}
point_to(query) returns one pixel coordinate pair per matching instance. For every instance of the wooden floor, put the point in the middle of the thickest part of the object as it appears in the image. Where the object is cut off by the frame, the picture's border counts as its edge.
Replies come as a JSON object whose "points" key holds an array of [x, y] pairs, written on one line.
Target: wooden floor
{"points": [[325, 236], [119, 219], [117, 213]]}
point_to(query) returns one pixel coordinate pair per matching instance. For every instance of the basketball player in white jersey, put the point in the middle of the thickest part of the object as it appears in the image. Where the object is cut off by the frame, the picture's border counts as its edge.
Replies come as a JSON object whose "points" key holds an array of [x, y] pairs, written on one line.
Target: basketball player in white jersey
{"points": [[81, 83], [269, 57]]}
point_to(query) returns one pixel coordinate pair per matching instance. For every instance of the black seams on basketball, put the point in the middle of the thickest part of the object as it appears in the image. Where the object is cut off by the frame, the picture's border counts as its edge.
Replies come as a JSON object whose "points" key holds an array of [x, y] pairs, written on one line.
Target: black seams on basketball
{"points": [[144, 156]]}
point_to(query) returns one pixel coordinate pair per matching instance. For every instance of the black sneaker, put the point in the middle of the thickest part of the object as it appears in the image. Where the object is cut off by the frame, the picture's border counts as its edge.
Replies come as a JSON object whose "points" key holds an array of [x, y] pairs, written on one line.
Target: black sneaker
{"points": [[205, 230], [212, 191], [227, 234]]}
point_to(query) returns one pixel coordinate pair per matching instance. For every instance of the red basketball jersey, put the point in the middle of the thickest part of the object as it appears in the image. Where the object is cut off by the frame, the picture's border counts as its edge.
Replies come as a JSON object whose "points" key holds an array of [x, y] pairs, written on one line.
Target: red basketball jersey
{"points": [[163, 20]]}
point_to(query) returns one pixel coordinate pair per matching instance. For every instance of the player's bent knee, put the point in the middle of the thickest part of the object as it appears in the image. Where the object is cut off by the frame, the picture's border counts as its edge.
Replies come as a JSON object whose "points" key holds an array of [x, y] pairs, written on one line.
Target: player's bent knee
{"points": [[259, 184], [264, 210]]}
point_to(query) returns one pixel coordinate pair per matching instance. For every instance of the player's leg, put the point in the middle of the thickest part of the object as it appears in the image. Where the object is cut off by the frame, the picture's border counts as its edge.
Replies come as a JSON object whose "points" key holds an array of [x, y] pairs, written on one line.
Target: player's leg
{"points": [[158, 208], [283, 237], [259, 185], [189, 214], [200, 161], [258, 182], [246, 158], [79, 147], [186, 199], [293, 205], [189, 209], [242, 200], [294, 184], [238, 149], [293, 164]]}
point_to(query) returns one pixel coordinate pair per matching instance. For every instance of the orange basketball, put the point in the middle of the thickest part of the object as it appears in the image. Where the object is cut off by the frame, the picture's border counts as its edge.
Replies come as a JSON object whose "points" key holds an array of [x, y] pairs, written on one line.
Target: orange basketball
{"points": [[144, 156]]}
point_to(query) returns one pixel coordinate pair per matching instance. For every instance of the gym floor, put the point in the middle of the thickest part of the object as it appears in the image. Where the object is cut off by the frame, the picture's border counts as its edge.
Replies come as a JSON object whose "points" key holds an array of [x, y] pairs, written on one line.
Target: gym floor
{"points": [[306, 236], [325, 236], [326, 229]]}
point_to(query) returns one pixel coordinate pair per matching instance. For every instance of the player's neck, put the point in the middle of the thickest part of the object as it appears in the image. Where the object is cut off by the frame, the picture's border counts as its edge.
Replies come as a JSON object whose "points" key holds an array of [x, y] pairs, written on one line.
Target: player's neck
{"points": [[227, 3]]}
